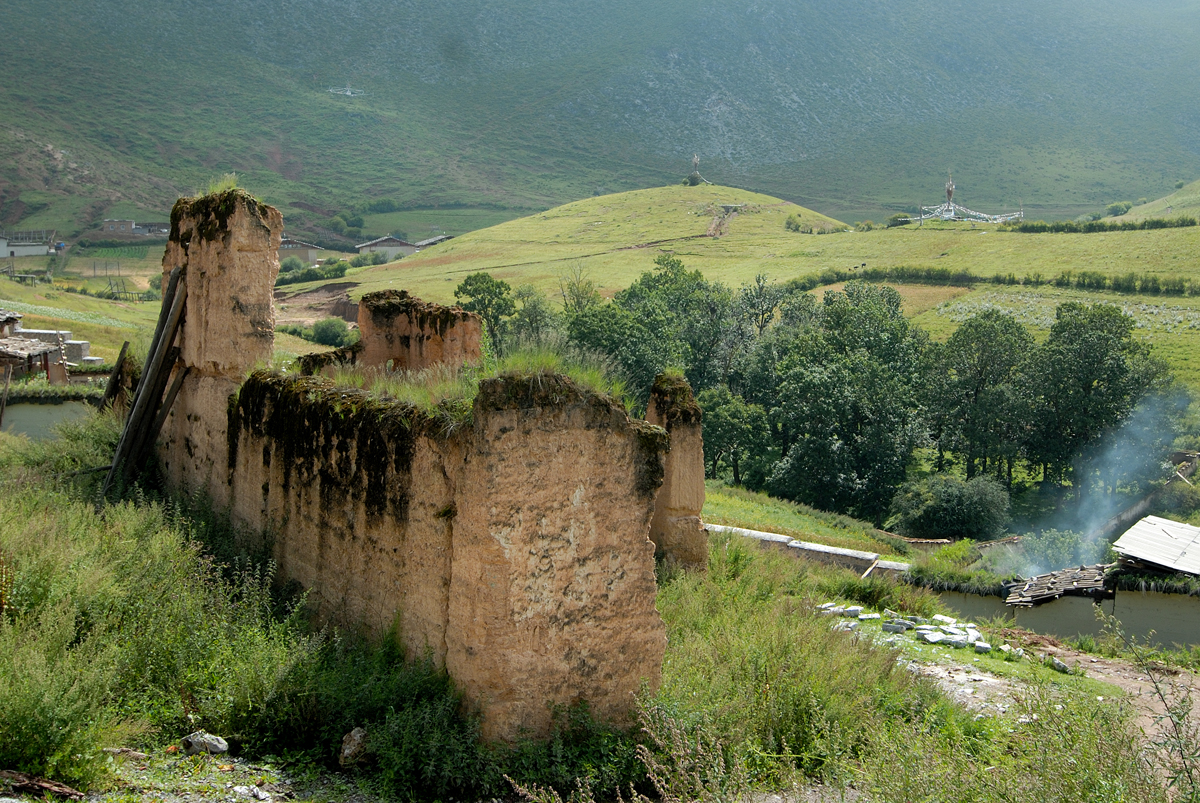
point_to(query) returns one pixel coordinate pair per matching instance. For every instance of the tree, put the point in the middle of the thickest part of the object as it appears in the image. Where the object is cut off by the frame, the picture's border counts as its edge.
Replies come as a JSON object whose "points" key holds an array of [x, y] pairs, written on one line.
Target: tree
{"points": [[973, 399], [535, 320], [760, 300], [685, 311], [579, 292], [622, 336], [852, 427], [491, 298], [734, 431], [1086, 380], [289, 264]]}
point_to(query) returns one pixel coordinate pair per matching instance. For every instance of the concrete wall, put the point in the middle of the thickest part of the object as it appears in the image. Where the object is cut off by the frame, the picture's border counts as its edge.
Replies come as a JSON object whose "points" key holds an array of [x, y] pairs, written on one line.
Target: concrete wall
{"points": [[1172, 618]]}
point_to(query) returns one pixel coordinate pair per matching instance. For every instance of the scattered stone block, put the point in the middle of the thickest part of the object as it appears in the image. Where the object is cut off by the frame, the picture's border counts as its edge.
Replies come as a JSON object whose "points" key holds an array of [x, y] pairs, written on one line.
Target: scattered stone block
{"points": [[958, 642], [201, 742], [853, 610], [864, 617], [894, 627], [933, 637], [845, 627], [824, 606], [1005, 648], [945, 620], [1059, 666], [982, 647]]}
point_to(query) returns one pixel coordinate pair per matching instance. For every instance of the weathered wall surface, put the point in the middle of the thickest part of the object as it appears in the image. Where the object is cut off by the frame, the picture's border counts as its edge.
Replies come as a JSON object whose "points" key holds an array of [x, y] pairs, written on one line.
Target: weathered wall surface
{"points": [[413, 334], [228, 245], [515, 549], [513, 546], [676, 529]]}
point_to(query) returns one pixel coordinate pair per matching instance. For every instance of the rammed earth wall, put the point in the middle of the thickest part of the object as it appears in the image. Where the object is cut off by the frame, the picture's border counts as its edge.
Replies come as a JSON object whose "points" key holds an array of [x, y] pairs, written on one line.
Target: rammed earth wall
{"points": [[512, 545], [514, 548]]}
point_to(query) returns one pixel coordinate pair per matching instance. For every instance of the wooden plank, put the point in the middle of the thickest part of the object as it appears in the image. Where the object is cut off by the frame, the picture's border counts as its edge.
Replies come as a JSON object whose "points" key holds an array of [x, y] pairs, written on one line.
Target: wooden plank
{"points": [[114, 379]]}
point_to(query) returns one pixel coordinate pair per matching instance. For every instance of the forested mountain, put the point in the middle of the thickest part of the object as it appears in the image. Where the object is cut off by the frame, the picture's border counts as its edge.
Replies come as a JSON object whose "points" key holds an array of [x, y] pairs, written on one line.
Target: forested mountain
{"points": [[849, 107]]}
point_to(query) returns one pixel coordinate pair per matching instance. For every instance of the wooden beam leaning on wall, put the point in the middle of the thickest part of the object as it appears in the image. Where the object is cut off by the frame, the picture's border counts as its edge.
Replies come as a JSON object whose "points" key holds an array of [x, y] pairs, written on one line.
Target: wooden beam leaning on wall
{"points": [[147, 398]]}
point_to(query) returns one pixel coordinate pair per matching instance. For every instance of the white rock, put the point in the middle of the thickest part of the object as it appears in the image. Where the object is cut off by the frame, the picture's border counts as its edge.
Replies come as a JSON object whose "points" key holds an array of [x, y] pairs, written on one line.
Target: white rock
{"points": [[201, 742], [946, 620], [824, 606], [1005, 648], [1060, 666], [853, 610], [845, 627], [894, 627], [982, 646], [951, 630], [932, 636], [974, 635], [866, 617]]}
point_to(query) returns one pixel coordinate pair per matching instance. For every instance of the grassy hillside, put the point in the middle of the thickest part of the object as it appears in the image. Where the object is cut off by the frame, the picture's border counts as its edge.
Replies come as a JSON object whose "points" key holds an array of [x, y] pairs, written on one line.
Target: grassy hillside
{"points": [[852, 109], [616, 237], [1184, 201]]}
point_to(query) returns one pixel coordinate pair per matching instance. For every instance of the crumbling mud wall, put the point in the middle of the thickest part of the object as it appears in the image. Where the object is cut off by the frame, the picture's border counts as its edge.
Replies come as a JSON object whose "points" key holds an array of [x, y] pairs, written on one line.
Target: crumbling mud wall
{"points": [[677, 532], [228, 246], [513, 548], [412, 334], [511, 543]]}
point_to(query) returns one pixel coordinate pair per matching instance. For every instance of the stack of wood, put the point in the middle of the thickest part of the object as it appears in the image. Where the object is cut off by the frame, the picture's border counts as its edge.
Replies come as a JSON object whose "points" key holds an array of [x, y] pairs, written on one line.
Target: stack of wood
{"points": [[1084, 581], [148, 410]]}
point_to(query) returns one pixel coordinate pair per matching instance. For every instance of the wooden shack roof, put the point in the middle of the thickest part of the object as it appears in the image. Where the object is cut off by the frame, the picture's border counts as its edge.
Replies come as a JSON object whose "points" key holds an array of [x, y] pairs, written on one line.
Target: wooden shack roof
{"points": [[1084, 581], [1162, 543], [18, 348]]}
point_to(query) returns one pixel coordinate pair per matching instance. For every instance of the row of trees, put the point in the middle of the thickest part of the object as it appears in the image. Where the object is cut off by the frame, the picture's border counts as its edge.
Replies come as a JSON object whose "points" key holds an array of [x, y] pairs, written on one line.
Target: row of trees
{"points": [[827, 401]]}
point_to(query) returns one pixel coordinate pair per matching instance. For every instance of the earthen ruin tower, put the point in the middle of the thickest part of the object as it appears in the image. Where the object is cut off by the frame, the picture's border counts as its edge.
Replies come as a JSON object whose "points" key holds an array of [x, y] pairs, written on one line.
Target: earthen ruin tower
{"points": [[509, 541]]}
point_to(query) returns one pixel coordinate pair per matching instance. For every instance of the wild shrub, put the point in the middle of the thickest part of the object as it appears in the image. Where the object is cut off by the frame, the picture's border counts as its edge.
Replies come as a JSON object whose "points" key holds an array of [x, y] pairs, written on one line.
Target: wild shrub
{"points": [[946, 507], [286, 265]]}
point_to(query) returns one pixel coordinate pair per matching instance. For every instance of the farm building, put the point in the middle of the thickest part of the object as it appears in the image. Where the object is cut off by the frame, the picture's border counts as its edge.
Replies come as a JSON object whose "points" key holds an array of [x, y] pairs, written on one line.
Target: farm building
{"points": [[305, 252], [113, 226], [394, 247], [27, 244]]}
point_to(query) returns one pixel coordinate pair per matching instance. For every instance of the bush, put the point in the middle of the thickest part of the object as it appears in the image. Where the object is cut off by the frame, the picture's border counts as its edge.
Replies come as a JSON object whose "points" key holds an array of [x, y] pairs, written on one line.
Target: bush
{"points": [[289, 264], [1118, 208], [1179, 185], [866, 225], [898, 219], [334, 269], [946, 507], [331, 332]]}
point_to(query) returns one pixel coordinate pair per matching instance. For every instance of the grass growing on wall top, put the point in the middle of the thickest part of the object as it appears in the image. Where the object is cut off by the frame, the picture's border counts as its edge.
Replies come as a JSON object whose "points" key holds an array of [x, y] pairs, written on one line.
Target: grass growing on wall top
{"points": [[444, 390]]}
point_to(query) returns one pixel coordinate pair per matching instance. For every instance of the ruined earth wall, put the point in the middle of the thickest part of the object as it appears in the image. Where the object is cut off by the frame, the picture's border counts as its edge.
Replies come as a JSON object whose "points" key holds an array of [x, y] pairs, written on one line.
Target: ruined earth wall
{"points": [[413, 334], [228, 246], [677, 531], [512, 544], [514, 549]]}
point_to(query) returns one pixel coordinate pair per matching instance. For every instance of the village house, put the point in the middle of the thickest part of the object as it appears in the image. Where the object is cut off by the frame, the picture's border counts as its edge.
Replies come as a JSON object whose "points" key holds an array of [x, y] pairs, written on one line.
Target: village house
{"points": [[394, 247], [305, 252], [113, 226]]}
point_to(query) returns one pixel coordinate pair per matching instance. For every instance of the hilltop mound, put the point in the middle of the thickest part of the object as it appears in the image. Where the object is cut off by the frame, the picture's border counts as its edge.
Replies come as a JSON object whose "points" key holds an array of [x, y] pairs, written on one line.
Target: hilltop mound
{"points": [[615, 237]]}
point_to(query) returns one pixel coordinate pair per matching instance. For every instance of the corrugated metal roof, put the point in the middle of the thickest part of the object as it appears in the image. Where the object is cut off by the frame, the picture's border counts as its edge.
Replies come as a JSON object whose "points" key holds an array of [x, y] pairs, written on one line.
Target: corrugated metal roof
{"points": [[1162, 542]]}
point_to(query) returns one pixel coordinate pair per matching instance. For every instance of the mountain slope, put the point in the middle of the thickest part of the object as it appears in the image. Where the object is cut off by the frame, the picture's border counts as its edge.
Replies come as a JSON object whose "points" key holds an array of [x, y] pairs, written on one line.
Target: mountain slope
{"points": [[850, 107]]}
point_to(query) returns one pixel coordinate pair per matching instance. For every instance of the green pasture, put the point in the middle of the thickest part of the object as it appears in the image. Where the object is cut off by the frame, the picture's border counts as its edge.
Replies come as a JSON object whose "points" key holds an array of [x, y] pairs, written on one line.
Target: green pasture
{"points": [[616, 237], [421, 224]]}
